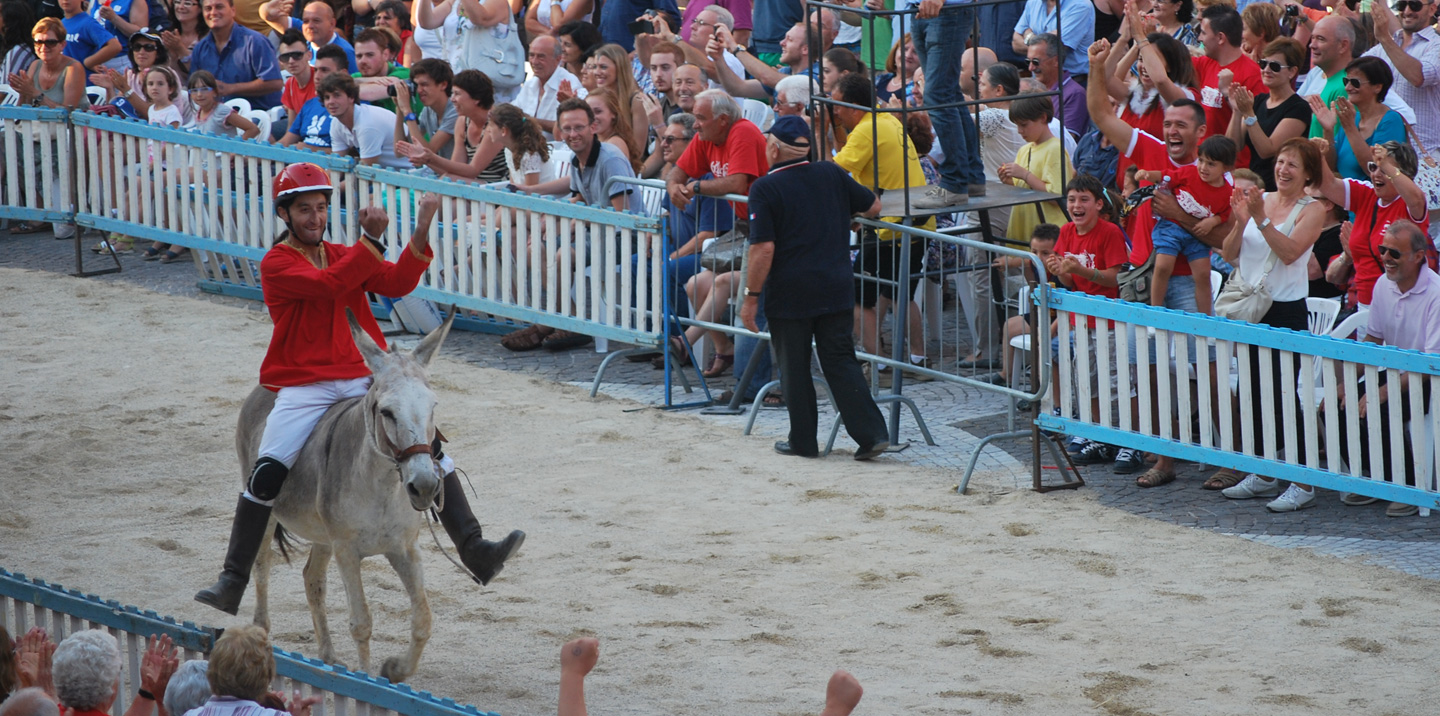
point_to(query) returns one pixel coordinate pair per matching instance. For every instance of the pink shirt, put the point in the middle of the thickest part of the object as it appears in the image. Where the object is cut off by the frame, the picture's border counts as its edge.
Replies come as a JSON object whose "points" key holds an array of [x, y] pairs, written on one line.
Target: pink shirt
{"points": [[1407, 320]]}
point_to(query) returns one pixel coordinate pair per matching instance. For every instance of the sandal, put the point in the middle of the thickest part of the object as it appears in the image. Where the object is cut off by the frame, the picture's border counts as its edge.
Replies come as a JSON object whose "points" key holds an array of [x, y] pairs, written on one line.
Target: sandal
{"points": [[1222, 479], [1155, 478], [172, 256], [721, 364], [526, 339], [773, 400], [151, 254], [565, 340], [26, 227]]}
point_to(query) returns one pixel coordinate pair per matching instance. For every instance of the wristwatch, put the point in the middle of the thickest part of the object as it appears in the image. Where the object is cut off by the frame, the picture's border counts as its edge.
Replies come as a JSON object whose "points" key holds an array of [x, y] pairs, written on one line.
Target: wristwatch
{"points": [[1251, 120], [739, 49], [410, 117], [1265, 224], [748, 293]]}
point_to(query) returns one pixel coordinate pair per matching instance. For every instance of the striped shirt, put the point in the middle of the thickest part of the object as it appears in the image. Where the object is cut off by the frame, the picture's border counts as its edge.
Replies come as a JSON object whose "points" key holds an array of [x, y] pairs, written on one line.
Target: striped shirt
{"points": [[231, 706], [1425, 99]]}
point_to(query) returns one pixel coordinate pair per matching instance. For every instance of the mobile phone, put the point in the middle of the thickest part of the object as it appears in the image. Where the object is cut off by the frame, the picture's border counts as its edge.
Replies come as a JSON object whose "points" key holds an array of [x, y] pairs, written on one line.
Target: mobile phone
{"points": [[1292, 10], [641, 27]]}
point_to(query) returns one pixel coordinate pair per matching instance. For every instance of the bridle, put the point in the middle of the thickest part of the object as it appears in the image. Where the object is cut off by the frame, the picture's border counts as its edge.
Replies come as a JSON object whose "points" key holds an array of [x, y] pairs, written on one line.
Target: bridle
{"points": [[398, 456]]}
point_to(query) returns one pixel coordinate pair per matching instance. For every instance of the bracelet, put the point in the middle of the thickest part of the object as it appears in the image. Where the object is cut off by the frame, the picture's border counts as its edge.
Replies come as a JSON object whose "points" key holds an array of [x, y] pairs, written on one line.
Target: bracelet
{"points": [[142, 693]]}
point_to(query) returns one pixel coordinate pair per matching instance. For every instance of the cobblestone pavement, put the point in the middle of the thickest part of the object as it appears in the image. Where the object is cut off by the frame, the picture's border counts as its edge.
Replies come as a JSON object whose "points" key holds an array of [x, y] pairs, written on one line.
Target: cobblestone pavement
{"points": [[958, 417]]}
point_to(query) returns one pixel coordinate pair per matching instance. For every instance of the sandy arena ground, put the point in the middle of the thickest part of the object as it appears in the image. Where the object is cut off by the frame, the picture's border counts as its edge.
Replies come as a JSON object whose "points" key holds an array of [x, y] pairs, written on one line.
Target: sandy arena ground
{"points": [[720, 577]]}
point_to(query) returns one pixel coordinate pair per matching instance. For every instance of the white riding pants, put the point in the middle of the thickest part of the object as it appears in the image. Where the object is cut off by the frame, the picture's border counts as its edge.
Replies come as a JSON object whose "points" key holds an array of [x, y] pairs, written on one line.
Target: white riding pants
{"points": [[297, 410]]}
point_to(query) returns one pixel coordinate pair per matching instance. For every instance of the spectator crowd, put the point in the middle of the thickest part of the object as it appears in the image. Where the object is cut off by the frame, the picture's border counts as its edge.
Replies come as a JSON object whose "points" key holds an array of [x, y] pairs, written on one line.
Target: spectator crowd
{"points": [[1287, 144]]}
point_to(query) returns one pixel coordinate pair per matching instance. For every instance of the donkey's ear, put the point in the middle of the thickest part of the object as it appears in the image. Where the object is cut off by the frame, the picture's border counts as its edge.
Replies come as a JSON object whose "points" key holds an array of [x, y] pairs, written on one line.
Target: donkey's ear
{"points": [[369, 350], [431, 343]]}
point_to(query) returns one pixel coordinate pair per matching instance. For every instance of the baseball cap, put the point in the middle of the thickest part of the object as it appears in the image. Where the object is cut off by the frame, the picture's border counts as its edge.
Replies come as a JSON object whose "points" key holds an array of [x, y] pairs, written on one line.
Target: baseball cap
{"points": [[791, 130]]}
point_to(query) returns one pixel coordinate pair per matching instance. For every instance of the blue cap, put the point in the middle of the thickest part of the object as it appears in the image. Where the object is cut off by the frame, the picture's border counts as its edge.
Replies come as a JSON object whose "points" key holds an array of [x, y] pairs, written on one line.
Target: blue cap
{"points": [[791, 130]]}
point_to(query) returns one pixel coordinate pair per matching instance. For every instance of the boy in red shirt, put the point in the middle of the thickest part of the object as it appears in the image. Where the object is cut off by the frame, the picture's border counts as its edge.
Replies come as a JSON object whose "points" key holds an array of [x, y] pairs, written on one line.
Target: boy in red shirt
{"points": [[1087, 259], [1203, 191], [312, 363]]}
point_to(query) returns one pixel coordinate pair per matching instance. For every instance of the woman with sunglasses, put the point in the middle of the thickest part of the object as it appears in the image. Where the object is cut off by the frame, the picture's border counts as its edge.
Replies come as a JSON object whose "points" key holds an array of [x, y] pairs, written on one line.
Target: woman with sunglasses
{"points": [[1266, 121], [1362, 115], [54, 81], [1387, 195], [123, 18], [187, 25], [146, 53]]}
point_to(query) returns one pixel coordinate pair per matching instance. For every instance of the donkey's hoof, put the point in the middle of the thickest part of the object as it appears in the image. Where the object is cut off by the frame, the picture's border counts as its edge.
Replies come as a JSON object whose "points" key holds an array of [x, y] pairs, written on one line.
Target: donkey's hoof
{"points": [[394, 670]]}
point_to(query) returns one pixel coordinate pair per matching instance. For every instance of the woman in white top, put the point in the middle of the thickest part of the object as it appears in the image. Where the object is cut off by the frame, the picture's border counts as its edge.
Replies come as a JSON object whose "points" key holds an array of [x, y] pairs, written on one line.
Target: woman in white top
{"points": [[546, 15], [1271, 243], [526, 150]]}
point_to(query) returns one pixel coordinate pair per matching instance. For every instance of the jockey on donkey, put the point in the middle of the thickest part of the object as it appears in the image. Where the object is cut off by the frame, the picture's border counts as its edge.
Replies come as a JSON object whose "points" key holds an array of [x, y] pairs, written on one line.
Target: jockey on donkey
{"points": [[313, 363]]}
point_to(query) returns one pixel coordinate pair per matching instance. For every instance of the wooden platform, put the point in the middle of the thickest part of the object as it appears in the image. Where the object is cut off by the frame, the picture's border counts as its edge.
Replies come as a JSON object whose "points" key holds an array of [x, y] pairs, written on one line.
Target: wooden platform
{"points": [[997, 196]]}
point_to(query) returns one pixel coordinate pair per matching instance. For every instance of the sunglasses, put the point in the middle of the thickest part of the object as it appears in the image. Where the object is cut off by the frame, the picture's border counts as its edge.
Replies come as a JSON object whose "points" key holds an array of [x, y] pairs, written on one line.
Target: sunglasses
{"points": [[292, 56], [1352, 82], [145, 47], [1392, 253], [1031, 61], [48, 43], [1272, 65], [1411, 5], [672, 140]]}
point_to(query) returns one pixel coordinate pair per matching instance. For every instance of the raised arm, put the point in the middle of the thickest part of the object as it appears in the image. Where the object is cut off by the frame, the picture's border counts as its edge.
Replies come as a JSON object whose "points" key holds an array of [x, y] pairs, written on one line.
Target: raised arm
{"points": [[1411, 69], [430, 15], [1114, 128]]}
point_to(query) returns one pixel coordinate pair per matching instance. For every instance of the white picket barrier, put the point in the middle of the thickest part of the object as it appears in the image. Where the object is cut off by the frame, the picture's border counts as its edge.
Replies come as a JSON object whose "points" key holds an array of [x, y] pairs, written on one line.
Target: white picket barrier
{"points": [[31, 602], [1302, 436]]}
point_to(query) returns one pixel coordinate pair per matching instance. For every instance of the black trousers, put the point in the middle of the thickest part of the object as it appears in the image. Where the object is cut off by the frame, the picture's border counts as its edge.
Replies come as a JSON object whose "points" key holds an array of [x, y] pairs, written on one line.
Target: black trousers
{"points": [[1282, 314], [834, 344], [1389, 466]]}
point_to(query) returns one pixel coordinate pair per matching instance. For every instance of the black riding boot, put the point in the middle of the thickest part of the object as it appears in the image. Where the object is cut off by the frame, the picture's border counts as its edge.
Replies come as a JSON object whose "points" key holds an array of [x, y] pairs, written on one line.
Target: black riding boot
{"points": [[246, 534], [482, 557]]}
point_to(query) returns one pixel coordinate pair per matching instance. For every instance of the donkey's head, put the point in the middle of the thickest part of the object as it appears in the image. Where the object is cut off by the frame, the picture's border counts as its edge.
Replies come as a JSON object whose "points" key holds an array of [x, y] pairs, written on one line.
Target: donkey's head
{"points": [[400, 409]]}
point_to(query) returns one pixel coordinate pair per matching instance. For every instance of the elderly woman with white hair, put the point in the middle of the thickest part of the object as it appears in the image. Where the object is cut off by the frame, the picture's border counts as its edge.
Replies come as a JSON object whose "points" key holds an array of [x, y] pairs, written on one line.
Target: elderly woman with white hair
{"points": [[86, 670], [189, 688]]}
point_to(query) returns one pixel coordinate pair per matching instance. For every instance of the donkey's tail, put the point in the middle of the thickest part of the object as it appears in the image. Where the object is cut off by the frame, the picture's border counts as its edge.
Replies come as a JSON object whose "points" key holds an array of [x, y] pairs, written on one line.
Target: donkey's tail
{"points": [[284, 542]]}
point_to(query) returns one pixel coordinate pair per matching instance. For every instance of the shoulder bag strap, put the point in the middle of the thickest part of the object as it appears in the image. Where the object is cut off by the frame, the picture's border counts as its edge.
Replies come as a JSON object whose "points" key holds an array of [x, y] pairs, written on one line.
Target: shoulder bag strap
{"points": [[1419, 145]]}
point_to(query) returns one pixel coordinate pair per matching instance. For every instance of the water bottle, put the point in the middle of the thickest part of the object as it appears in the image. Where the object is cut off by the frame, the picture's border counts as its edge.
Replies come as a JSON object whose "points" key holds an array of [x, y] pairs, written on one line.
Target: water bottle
{"points": [[1164, 184]]}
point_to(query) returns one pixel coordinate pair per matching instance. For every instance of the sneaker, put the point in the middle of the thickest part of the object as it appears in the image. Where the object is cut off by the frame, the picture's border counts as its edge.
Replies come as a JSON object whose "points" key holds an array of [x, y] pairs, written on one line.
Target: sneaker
{"points": [[1354, 500], [1295, 498], [1075, 444], [1252, 486], [1095, 454], [1129, 462], [939, 198], [1400, 509]]}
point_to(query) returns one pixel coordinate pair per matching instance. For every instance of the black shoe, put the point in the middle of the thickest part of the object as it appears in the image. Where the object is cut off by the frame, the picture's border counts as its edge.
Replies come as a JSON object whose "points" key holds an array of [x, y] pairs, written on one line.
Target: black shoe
{"points": [[482, 557], [246, 534], [1129, 462], [1094, 454], [873, 451], [783, 447]]}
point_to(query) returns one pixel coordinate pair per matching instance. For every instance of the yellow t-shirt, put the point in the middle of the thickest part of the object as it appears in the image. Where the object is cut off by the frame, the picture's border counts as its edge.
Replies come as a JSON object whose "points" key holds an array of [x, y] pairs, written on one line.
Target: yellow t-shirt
{"points": [[860, 153], [1045, 161]]}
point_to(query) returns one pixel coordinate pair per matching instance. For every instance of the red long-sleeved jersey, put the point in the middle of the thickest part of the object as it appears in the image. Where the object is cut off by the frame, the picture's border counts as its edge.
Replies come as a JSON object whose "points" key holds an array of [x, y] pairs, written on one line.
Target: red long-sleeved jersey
{"points": [[312, 340]]}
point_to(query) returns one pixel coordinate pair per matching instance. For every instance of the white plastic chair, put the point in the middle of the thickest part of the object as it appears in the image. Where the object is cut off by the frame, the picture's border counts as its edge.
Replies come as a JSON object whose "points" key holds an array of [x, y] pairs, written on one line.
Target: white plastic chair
{"points": [[650, 200], [758, 112], [1322, 314], [11, 98], [97, 95], [261, 119], [1020, 343], [277, 114], [1216, 278], [240, 104], [559, 164]]}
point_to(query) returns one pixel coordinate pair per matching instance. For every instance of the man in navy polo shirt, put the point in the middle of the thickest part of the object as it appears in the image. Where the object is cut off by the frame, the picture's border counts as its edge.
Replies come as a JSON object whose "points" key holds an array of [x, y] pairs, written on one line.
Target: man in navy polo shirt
{"points": [[241, 59], [800, 256]]}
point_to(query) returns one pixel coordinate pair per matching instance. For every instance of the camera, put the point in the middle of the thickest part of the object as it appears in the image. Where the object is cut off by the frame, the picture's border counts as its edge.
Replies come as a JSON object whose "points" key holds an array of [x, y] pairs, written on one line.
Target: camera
{"points": [[409, 85], [1292, 10]]}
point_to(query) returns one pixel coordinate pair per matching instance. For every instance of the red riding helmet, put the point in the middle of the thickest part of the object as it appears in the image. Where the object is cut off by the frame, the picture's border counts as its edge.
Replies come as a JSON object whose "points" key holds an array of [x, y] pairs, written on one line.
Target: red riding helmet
{"points": [[298, 179]]}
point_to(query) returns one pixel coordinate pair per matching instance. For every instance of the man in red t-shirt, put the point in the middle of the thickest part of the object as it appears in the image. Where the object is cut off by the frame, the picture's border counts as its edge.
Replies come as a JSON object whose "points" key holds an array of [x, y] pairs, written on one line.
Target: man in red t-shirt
{"points": [[294, 54], [313, 363], [1224, 64], [1184, 127], [726, 145]]}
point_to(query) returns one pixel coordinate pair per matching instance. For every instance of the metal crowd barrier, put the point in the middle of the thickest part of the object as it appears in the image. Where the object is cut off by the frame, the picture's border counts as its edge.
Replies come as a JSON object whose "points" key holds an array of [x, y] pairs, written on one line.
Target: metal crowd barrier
{"points": [[28, 602], [942, 329], [1300, 436], [507, 256]]}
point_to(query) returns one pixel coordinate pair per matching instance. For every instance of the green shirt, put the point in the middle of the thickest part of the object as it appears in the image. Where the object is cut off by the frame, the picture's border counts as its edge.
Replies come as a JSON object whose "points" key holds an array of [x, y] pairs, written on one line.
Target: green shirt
{"points": [[874, 57], [403, 73], [1334, 89]]}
